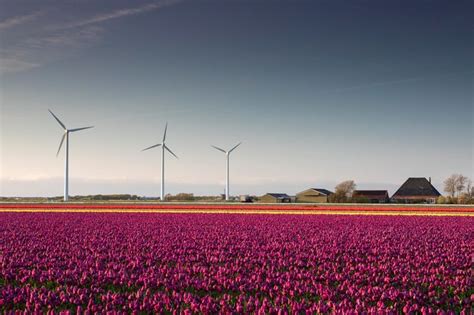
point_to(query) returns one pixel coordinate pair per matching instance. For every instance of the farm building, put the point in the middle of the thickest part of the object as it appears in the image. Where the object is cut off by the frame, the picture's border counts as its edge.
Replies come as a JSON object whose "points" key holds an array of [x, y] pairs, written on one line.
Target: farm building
{"points": [[275, 198], [317, 195], [245, 198], [416, 190], [373, 196]]}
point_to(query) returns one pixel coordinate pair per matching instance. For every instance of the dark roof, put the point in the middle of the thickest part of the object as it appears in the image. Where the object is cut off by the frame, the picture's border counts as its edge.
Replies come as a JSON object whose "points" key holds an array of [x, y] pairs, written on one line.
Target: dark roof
{"points": [[370, 193], [381, 195], [278, 195], [323, 191], [416, 186]]}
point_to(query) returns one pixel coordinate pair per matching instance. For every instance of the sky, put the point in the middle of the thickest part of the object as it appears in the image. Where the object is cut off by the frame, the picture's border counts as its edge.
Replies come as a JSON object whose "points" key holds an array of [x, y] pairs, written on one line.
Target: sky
{"points": [[318, 92]]}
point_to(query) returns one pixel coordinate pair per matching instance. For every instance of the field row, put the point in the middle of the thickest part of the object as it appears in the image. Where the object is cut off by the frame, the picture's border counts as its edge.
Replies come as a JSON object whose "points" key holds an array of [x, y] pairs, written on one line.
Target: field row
{"points": [[234, 263], [242, 208], [246, 212]]}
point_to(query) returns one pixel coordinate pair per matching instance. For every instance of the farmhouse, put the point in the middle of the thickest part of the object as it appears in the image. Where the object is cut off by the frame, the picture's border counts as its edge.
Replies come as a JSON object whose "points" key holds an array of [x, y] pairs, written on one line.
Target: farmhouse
{"points": [[316, 195], [275, 198], [416, 190], [372, 196]]}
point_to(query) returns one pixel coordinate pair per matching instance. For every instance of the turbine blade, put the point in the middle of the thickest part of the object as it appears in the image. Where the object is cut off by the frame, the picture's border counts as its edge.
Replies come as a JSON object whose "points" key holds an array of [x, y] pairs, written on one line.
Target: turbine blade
{"points": [[169, 150], [235, 147], [217, 148], [57, 119], [164, 135], [153, 146], [77, 129], [61, 144]]}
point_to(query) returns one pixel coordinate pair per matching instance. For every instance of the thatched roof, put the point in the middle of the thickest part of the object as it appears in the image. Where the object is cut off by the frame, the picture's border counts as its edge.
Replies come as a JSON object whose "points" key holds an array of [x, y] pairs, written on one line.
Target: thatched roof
{"points": [[416, 187]]}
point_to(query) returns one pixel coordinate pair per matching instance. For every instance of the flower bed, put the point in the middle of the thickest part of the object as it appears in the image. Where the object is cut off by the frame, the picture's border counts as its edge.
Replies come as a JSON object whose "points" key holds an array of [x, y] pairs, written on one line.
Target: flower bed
{"points": [[240, 207], [226, 263]]}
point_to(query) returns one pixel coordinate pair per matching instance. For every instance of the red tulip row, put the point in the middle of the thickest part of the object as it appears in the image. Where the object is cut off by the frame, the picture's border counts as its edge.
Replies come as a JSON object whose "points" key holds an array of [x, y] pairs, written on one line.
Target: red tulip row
{"points": [[262, 207], [228, 263]]}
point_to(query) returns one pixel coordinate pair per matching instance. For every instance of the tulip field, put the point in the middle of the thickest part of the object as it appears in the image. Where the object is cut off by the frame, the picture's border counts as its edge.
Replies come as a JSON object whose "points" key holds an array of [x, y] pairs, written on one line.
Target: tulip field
{"points": [[235, 263]]}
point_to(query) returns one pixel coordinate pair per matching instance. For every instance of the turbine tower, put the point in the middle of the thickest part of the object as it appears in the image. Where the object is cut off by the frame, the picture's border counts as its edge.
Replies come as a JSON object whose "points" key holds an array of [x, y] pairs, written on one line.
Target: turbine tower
{"points": [[227, 154], [66, 160], [163, 148]]}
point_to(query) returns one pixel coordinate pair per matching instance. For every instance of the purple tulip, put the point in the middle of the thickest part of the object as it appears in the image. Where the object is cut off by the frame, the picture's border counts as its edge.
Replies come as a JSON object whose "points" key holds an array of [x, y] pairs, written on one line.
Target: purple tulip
{"points": [[210, 263]]}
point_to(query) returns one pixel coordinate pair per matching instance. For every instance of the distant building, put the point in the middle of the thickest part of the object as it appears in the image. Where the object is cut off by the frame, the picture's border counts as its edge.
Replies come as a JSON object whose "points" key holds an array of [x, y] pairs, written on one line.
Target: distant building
{"points": [[316, 195], [416, 190], [275, 198], [245, 198], [372, 196]]}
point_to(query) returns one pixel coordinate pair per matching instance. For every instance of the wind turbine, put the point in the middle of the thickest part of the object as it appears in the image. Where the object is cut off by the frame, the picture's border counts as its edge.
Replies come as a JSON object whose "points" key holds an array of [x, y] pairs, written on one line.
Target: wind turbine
{"points": [[66, 160], [163, 148], [227, 154]]}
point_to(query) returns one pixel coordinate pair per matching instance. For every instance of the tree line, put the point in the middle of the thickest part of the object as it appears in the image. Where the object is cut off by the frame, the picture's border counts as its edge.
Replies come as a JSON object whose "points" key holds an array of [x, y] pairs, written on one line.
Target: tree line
{"points": [[459, 189]]}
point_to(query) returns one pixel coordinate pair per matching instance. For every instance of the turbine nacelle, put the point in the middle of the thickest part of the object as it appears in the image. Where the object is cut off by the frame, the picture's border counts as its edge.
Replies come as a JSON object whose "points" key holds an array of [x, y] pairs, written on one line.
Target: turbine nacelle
{"points": [[66, 131], [162, 144], [224, 151]]}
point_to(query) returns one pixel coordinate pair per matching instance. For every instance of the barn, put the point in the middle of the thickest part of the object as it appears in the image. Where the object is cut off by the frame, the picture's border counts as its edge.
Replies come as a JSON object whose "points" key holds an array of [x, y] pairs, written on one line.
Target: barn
{"points": [[275, 198], [416, 190], [316, 195], [372, 196]]}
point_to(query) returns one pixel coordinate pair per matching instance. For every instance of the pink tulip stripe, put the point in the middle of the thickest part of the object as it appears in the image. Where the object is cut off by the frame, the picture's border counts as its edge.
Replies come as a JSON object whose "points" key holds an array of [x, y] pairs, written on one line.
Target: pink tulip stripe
{"points": [[230, 263]]}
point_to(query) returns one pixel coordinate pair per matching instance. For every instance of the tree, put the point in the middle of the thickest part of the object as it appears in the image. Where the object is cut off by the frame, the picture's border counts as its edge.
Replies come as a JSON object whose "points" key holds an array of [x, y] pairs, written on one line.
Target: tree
{"points": [[469, 188], [346, 188], [343, 191], [450, 185], [467, 197], [456, 183], [461, 183]]}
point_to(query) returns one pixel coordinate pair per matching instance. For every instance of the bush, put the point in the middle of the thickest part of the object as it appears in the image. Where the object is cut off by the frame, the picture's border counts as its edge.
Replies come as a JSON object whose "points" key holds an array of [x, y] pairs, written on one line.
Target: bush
{"points": [[361, 199], [465, 199], [181, 197], [338, 197]]}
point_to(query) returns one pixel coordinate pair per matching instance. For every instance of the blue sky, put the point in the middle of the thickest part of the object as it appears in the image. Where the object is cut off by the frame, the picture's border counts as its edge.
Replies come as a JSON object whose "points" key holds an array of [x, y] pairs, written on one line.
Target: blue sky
{"points": [[318, 91]]}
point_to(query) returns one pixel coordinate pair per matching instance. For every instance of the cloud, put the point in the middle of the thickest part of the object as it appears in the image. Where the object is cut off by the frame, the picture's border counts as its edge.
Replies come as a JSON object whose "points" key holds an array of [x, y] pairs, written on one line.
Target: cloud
{"points": [[17, 20], [15, 65], [33, 52], [46, 42], [66, 38], [124, 12]]}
